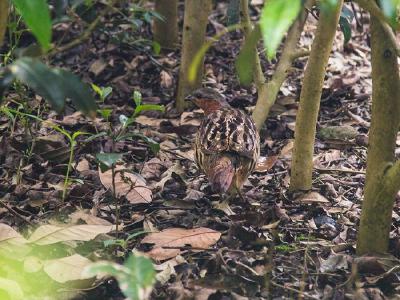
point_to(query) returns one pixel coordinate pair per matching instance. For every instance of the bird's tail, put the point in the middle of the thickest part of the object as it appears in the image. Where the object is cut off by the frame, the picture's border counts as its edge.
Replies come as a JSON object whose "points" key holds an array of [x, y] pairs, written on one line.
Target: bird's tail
{"points": [[221, 174]]}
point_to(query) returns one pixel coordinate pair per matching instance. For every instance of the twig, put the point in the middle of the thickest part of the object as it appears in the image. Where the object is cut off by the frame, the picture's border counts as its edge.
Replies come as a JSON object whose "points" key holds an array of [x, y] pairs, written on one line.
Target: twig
{"points": [[339, 170], [13, 212], [293, 290], [86, 34]]}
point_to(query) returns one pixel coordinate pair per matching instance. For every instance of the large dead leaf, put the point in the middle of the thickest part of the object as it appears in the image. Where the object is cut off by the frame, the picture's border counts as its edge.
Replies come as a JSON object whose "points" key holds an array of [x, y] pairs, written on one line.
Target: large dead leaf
{"points": [[178, 237], [67, 268], [50, 234], [132, 186], [12, 243]]}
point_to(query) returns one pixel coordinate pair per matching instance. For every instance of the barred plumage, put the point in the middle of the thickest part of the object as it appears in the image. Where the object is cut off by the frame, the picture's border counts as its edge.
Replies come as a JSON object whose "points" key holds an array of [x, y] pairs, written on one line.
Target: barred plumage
{"points": [[227, 144]]}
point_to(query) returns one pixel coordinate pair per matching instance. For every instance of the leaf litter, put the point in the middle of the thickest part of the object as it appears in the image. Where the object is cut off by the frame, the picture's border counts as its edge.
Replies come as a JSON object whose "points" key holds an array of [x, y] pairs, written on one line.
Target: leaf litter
{"points": [[277, 245]]}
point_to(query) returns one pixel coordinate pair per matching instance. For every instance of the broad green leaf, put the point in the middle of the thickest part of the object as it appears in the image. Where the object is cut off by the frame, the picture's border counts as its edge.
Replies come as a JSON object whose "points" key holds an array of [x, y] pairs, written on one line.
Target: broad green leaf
{"points": [[108, 160], [36, 16], [245, 62], [389, 8], [276, 18], [43, 80], [78, 92], [55, 85], [12, 288], [135, 278]]}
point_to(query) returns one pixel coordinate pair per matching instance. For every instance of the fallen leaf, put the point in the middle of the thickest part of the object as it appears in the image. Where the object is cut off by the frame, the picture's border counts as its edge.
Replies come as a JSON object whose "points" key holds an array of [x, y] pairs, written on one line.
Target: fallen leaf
{"points": [[312, 197], [80, 215], [286, 151], [264, 164], [166, 80], [132, 186], [178, 237], [83, 165], [50, 234], [67, 268]]}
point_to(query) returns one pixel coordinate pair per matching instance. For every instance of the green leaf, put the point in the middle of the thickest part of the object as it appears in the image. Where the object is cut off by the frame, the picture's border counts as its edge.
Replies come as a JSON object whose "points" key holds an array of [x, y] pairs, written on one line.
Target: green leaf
{"points": [[233, 12], [137, 98], [55, 85], [43, 80], [108, 160], [246, 59], [389, 8], [36, 16], [276, 18], [135, 278], [346, 29], [145, 107]]}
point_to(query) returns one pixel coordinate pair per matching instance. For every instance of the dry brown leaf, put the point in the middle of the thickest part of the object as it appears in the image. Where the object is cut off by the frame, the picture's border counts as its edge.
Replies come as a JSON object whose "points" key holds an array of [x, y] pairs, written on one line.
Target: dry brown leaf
{"points": [[12, 243], [286, 151], [83, 165], [7, 232], [264, 164], [80, 215], [50, 234], [166, 79], [97, 66], [312, 197], [178, 237], [67, 268], [132, 186]]}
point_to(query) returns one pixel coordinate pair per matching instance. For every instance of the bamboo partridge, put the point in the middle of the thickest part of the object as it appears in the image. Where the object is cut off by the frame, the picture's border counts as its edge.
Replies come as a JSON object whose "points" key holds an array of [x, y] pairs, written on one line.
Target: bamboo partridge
{"points": [[227, 144]]}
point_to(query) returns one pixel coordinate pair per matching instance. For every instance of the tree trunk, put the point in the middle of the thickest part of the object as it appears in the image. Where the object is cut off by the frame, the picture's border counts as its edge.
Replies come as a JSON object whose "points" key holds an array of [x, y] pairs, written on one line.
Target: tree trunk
{"points": [[267, 92], [382, 180], [194, 30], [165, 32], [306, 120], [3, 19]]}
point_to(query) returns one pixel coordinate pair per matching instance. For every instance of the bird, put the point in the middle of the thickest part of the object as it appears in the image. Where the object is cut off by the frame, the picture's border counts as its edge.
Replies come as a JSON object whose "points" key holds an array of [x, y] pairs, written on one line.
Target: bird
{"points": [[227, 143]]}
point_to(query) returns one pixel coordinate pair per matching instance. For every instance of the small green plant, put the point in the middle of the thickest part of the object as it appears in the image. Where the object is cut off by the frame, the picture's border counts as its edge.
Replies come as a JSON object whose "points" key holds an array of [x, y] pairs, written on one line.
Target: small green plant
{"points": [[135, 277], [103, 92]]}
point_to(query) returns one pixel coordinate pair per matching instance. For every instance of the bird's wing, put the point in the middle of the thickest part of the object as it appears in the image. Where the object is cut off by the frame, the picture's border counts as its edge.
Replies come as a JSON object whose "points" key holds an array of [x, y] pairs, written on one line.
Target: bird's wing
{"points": [[228, 130]]}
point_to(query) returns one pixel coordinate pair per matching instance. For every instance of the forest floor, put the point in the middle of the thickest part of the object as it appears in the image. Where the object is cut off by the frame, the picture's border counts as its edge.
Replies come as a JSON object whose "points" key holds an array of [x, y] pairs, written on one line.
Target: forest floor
{"points": [[277, 245]]}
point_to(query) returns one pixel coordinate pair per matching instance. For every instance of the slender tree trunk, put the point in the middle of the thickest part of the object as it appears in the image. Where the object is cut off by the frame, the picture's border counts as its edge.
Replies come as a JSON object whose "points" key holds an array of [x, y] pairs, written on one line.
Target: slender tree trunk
{"points": [[267, 92], [165, 31], [3, 19], [194, 30], [306, 121], [383, 179]]}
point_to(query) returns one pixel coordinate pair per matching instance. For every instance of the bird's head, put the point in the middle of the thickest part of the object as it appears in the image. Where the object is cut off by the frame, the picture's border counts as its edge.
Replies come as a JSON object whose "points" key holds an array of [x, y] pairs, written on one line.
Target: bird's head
{"points": [[207, 99]]}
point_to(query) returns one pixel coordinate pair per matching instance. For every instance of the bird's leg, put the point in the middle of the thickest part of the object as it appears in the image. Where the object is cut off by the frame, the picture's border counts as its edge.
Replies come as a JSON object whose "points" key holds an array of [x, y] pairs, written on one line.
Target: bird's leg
{"points": [[224, 205], [241, 195]]}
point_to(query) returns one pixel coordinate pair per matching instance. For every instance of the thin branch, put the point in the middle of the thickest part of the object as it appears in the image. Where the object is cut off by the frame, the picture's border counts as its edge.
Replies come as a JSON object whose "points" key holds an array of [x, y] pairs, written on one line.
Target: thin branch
{"points": [[268, 92], [259, 77], [375, 11], [86, 34]]}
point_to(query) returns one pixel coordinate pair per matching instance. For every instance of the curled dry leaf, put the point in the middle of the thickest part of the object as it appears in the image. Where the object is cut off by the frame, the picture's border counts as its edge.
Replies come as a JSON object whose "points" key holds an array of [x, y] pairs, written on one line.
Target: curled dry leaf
{"points": [[132, 186], [80, 215], [67, 268], [50, 234], [178, 237]]}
